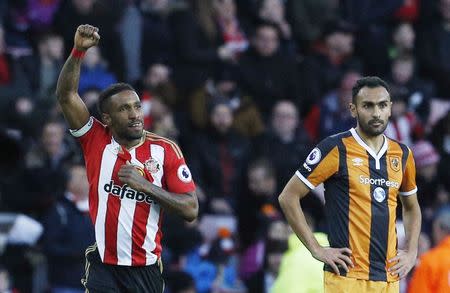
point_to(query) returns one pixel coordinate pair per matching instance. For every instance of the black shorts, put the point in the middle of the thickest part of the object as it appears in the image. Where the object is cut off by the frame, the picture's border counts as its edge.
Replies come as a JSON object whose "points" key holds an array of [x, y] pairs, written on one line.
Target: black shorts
{"points": [[104, 278]]}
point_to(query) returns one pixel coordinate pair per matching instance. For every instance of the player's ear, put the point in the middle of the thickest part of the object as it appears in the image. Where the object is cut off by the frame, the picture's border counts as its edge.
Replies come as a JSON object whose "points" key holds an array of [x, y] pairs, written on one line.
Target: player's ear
{"points": [[352, 108], [106, 119]]}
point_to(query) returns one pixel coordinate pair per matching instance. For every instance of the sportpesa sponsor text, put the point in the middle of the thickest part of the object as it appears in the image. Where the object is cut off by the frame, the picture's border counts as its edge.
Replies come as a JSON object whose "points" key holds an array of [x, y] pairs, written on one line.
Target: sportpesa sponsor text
{"points": [[378, 182]]}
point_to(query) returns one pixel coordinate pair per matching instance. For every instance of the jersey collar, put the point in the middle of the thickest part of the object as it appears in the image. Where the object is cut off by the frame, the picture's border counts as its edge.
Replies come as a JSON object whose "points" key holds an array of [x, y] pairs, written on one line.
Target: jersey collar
{"points": [[361, 142]]}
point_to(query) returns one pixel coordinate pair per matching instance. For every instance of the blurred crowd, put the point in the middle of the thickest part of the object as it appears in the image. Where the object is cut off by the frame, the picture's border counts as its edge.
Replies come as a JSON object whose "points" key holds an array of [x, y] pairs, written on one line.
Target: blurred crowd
{"points": [[246, 88]]}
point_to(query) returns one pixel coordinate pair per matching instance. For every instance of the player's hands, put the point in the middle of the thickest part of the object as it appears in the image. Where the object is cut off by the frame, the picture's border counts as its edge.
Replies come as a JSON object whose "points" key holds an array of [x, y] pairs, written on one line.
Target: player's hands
{"points": [[405, 261], [132, 176], [335, 257], [86, 36]]}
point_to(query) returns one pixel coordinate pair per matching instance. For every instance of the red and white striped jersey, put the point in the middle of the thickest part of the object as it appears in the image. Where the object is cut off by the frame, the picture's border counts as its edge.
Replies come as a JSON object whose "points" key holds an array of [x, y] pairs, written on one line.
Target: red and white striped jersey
{"points": [[127, 222]]}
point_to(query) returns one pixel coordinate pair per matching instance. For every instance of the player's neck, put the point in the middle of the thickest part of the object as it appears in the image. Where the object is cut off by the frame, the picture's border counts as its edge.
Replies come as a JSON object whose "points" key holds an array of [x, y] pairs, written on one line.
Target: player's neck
{"points": [[128, 144], [373, 142]]}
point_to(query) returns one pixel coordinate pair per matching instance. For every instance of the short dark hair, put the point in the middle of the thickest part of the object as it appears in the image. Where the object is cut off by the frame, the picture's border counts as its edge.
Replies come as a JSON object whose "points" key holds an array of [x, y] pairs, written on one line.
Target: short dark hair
{"points": [[111, 91], [370, 82]]}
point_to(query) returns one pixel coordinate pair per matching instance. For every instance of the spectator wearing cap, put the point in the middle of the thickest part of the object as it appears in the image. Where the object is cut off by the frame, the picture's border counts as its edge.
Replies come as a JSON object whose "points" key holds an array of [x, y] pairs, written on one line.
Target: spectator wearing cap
{"points": [[432, 272]]}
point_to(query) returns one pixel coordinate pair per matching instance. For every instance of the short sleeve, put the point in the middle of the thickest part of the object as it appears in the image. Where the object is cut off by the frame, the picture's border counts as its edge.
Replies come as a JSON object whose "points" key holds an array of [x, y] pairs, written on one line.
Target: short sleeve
{"points": [[320, 164], [178, 177], [408, 186]]}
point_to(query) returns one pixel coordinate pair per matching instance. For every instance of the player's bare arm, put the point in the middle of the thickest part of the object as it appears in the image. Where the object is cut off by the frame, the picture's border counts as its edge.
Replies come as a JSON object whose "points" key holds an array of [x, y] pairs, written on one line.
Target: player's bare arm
{"points": [[289, 200], [412, 219], [71, 104], [185, 205]]}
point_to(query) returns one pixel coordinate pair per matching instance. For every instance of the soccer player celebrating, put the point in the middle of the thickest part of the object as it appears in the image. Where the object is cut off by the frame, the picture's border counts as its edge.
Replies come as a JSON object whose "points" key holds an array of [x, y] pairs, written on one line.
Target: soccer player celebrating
{"points": [[133, 176], [363, 172]]}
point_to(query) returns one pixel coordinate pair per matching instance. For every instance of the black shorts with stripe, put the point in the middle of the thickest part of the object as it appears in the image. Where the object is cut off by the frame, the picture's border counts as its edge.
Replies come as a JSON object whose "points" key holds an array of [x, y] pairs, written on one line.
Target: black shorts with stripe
{"points": [[104, 278]]}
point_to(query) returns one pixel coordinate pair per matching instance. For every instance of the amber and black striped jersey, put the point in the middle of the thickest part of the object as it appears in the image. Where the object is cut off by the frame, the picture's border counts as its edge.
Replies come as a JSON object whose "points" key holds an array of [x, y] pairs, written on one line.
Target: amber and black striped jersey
{"points": [[361, 189]]}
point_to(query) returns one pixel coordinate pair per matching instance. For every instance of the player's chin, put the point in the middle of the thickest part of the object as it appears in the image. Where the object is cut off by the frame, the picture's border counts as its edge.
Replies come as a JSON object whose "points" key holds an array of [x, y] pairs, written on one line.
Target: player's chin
{"points": [[135, 133]]}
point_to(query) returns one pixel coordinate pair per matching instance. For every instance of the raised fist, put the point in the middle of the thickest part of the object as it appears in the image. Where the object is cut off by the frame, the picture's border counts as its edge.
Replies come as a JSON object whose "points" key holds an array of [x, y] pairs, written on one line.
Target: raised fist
{"points": [[86, 36]]}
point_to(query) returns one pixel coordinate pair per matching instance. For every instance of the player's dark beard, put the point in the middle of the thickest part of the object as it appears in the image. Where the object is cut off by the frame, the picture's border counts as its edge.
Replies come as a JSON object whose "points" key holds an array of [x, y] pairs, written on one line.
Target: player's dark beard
{"points": [[128, 135], [368, 130]]}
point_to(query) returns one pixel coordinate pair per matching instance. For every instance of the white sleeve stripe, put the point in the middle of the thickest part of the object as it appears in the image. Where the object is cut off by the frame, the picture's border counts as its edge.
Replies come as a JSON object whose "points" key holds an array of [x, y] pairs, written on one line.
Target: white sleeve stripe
{"points": [[406, 193], [306, 181], [83, 130]]}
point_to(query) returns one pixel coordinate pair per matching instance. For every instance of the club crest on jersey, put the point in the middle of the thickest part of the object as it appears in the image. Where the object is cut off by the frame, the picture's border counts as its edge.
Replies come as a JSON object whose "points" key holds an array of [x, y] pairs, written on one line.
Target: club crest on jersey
{"points": [[152, 165], [314, 157], [184, 174], [394, 163], [379, 194]]}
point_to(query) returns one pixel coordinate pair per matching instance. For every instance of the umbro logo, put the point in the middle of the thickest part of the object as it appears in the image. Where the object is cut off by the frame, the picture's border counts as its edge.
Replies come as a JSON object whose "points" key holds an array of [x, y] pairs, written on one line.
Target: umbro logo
{"points": [[357, 162]]}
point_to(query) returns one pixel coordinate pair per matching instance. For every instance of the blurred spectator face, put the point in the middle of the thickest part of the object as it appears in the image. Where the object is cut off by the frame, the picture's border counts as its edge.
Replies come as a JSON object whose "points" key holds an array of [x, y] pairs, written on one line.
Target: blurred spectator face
{"points": [[399, 108], [444, 8], [402, 70], [278, 230], [340, 43], [345, 90], [56, 47], [24, 106], [285, 118], [404, 36], [222, 118], [92, 57], [166, 127], [225, 9], [157, 74], [52, 47], [52, 137], [225, 88], [266, 41], [272, 10], [83, 6], [260, 182], [78, 183]]}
